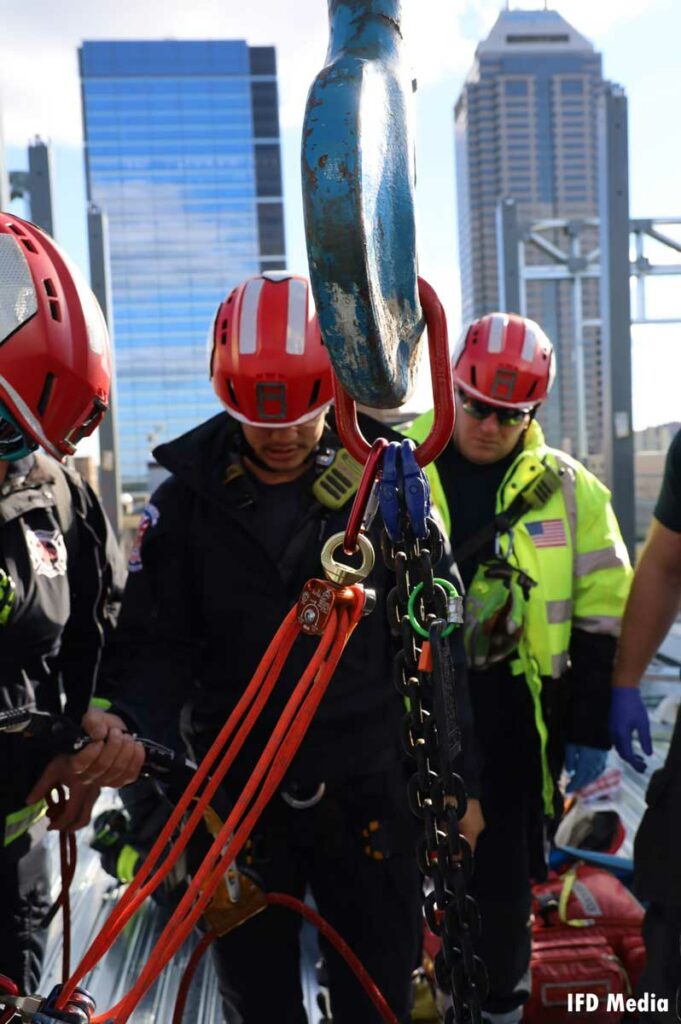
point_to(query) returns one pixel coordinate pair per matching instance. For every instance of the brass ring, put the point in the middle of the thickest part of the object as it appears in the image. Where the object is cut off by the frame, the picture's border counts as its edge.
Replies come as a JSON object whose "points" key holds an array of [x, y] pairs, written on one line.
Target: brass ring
{"points": [[346, 575]]}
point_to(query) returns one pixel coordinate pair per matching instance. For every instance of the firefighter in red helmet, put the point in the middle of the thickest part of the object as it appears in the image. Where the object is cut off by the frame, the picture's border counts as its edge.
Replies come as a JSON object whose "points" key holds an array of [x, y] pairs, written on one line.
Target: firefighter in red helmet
{"points": [[547, 576], [226, 545], [59, 566]]}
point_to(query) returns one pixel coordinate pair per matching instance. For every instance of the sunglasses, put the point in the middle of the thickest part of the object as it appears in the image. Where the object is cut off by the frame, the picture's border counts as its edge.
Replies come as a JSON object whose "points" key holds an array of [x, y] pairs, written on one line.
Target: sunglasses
{"points": [[482, 411], [13, 442]]}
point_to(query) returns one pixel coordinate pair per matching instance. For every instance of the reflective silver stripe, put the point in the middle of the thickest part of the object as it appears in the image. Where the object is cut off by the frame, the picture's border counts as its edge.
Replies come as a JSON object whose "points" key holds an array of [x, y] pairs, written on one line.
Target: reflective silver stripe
{"points": [[610, 624], [559, 664], [248, 326], [19, 822], [558, 611], [495, 342], [18, 299], [27, 416], [529, 343], [297, 318], [592, 561]]}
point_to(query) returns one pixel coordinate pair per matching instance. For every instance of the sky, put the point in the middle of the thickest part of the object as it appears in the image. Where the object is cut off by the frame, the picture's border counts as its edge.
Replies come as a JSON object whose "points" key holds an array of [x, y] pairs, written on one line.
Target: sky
{"points": [[40, 95]]}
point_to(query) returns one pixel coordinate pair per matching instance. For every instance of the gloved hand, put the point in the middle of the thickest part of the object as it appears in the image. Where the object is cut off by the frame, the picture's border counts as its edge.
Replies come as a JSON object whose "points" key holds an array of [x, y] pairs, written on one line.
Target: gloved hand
{"points": [[628, 715], [584, 764]]}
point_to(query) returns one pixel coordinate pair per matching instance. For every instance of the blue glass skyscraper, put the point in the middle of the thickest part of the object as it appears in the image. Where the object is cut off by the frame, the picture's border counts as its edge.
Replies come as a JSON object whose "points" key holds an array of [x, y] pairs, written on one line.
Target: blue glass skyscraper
{"points": [[183, 154]]}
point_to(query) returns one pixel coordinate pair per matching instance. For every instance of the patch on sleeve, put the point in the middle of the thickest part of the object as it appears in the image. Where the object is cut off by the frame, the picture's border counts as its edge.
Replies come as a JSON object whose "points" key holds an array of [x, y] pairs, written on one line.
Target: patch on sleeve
{"points": [[150, 517]]}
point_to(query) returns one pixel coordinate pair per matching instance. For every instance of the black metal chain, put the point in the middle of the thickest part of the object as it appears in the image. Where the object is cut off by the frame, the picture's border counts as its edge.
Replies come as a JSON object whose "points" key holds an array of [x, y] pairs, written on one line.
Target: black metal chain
{"points": [[425, 676]]}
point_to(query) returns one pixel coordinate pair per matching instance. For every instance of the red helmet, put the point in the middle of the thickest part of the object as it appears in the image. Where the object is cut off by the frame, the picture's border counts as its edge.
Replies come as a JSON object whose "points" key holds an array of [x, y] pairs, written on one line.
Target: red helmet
{"points": [[55, 362], [268, 364], [505, 360]]}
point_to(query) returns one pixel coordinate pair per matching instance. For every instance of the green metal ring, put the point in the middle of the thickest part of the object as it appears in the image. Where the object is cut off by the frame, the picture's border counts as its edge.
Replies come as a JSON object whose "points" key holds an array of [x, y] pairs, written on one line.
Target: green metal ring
{"points": [[415, 624]]}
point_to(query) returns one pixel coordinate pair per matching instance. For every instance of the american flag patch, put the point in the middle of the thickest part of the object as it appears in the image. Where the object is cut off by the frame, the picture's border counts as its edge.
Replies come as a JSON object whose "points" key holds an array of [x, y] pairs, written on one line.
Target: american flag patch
{"points": [[549, 533]]}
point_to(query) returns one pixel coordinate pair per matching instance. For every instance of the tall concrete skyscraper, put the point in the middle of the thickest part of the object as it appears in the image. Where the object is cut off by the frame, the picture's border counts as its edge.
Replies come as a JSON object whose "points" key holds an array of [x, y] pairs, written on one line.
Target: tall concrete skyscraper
{"points": [[526, 128], [183, 155]]}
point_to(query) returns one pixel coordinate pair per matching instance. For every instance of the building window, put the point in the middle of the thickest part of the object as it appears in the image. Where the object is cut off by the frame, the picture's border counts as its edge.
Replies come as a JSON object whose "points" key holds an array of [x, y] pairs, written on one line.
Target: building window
{"points": [[265, 110], [515, 88], [268, 170]]}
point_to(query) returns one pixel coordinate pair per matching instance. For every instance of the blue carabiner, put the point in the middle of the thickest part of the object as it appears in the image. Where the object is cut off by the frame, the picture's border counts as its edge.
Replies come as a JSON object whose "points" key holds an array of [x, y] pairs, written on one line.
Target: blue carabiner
{"points": [[403, 492], [358, 196], [389, 491], [416, 491]]}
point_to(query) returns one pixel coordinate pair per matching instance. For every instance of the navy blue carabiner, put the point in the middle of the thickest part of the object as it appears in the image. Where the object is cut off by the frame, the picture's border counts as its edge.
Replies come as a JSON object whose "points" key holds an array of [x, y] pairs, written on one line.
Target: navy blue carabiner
{"points": [[403, 492], [416, 490], [389, 491]]}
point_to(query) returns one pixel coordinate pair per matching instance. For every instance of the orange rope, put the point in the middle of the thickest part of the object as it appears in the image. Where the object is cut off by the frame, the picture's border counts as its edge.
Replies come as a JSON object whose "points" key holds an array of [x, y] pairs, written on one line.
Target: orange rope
{"points": [[230, 840], [269, 772], [188, 976], [137, 891], [282, 899]]}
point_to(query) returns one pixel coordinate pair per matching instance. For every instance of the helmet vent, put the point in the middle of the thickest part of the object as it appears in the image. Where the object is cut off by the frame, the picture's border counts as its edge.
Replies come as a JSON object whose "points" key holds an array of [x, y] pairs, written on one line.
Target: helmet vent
{"points": [[45, 393], [232, 393], [474, 381], [55, 309], [29, 245], [532, 389], [314, 394], [223, 332]]}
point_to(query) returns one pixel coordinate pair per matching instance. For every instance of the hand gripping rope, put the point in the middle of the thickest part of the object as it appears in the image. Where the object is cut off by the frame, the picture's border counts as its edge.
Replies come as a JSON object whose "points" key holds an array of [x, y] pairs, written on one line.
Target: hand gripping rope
{"points": [[332, 611], [328, 609]]}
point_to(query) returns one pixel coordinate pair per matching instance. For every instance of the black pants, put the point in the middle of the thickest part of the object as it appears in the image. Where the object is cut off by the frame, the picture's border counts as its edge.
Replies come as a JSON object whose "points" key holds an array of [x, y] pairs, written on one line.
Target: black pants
{"points": [[25, 899], [662, 974], [373, 903], [657, 880], [510, 850]]}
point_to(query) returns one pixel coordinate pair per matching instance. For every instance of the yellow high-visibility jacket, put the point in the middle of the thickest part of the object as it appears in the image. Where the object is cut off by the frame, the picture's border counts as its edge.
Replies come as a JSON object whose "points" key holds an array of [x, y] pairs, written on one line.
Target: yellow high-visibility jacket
{"points": [[582, 578]]}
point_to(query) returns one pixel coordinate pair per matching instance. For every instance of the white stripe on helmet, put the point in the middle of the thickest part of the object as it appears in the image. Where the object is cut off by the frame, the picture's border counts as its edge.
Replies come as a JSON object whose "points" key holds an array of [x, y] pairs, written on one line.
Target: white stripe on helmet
{"points": [[497, 332], [297, 318], [529, 342], [248, 325]]}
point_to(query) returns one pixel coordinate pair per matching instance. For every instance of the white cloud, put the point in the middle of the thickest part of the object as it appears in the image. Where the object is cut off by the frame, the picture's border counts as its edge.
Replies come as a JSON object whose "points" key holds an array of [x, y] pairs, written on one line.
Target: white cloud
{"points": [[39, 87]]}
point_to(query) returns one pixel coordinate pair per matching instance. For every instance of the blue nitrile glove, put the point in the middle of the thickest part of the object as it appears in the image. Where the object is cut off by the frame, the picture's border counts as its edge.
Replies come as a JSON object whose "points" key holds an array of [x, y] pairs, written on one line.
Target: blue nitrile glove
{"points": [[584, 764], [628, 715]]}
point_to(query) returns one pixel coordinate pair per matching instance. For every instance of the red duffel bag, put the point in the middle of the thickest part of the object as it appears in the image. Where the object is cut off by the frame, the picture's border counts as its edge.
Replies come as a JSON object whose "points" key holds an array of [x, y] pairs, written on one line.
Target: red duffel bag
{"points": [[586, 939]]}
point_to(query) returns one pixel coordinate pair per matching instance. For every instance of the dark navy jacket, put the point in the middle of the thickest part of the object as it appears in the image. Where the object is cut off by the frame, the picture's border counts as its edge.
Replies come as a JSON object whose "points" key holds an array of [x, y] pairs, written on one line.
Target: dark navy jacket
{"points": [[58, 549], [204, 598]]}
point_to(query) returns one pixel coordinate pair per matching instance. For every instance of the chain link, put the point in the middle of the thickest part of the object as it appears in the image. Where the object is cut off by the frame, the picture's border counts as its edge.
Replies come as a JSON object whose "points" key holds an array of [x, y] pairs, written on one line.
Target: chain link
{"points": [[425, 676]]}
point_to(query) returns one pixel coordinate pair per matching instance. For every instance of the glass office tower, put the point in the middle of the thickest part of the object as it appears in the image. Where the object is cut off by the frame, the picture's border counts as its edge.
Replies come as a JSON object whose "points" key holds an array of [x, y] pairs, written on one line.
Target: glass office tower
{"points": [[182, 153], [526, 127]]}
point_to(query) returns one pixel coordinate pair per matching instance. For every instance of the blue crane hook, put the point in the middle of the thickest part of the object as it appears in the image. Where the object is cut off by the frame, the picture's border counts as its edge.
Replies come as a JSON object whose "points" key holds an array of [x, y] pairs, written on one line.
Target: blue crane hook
{"points": [[358, 197]]}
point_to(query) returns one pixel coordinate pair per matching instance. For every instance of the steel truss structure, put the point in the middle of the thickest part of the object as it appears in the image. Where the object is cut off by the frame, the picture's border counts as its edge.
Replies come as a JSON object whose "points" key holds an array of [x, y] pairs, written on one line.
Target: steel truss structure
{"points": [[568, 253]]}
